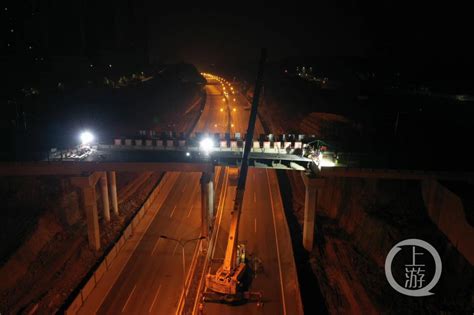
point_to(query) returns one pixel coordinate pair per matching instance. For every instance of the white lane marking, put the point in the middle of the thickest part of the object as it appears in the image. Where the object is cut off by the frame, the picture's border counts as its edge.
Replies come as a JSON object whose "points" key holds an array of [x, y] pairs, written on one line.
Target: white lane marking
{"points": [[254, 197], [277, 246], [172, 212], [174, 250], [154, 299], [222, 199], [192, 267], [255, 225], [154, 247], [133, 290], [213, 239], [167, 177], [189, 213], [217, 175]]}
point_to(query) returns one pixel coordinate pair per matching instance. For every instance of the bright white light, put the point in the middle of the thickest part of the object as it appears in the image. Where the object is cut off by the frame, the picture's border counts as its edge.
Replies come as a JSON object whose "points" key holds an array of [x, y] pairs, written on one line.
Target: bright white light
{"points": [[188, 154], [206, 145], [86, 137], [326, 163]]}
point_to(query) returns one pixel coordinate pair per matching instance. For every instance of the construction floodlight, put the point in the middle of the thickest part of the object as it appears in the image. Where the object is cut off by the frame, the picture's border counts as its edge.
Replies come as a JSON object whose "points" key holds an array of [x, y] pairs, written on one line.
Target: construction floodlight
{"points": [[86, 137], [206, 145]]}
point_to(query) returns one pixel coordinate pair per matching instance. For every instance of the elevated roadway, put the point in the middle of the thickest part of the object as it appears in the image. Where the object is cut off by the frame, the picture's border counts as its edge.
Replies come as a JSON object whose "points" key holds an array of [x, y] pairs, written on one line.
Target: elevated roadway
{"points": [[151, 281]]}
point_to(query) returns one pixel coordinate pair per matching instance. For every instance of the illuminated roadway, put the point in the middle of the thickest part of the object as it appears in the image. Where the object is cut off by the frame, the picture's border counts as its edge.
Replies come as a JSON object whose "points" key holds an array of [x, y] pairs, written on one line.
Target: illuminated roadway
{"points": [[151, 281], [262, 230], [215, 117], [261, 221]]}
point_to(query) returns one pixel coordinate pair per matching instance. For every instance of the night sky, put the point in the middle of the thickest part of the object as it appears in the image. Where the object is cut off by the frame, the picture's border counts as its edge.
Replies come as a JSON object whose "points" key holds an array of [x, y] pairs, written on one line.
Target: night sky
{"points": [[205, 33], [359, 28]]}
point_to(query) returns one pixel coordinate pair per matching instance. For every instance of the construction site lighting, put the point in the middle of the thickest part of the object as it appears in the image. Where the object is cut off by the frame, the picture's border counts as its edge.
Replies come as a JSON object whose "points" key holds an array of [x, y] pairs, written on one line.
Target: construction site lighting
{"points": [[206, 145], [86, 137]]}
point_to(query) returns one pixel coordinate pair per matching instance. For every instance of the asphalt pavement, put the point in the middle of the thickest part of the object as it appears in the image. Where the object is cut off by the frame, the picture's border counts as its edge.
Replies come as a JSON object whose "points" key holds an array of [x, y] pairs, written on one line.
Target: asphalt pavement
{"points": [[262, 230], [225, 114], [151, 282]]}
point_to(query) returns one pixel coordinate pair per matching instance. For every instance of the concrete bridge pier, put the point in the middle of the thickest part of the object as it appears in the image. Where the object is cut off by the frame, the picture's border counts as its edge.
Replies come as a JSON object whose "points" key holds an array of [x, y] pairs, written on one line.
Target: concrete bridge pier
{"points": [[90, 207], [113, 190], [312, 184], [105, 196], [87, 185], [207, 202]]}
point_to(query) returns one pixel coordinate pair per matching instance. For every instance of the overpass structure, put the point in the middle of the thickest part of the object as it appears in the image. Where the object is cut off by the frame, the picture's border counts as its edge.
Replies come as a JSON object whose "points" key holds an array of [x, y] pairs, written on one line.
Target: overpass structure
{"points": [[87, 167], [104, 161]]}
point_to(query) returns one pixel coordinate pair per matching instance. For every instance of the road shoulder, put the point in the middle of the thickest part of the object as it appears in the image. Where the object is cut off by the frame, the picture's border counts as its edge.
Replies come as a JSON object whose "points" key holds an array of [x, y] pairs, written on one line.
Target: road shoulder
{"points": [[291, 287], [101, 290]]}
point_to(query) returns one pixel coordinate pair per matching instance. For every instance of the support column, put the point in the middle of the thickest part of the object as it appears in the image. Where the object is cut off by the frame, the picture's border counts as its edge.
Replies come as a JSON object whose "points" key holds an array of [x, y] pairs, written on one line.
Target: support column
{"points": [[113, 191], [90, 205], [211, 197], [207, 193], [310, 205], [105, 196]]}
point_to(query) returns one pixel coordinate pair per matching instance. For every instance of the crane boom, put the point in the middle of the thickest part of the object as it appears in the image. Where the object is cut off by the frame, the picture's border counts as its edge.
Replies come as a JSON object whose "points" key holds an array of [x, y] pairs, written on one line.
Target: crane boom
{"points": [[227, 277]]}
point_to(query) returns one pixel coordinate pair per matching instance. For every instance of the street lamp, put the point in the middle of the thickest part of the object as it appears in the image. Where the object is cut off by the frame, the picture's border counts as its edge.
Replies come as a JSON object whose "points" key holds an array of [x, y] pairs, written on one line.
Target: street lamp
{"points": [[182, 243]]}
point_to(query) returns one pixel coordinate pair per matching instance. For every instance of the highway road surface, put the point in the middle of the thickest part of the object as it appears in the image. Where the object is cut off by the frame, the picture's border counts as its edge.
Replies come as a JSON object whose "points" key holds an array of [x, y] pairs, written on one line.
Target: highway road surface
{"points": [[263, 225], [151, 282], [263, 230], [225, 114]]}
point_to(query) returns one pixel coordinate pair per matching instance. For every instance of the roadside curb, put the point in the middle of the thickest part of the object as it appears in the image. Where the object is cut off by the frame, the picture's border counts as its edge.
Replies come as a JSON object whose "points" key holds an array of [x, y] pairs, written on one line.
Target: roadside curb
{"points": [[292, 286], [211, 244], [135, 224]]}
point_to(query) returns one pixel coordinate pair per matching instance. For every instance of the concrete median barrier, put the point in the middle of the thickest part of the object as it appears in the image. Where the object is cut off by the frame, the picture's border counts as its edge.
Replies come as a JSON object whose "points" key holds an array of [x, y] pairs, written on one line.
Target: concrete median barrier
{"points": [[113, 253]]}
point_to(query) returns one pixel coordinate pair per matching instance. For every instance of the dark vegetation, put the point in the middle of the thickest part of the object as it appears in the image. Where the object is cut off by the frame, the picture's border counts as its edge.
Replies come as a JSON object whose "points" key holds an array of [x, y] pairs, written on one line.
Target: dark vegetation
{"points": [[46, 116], [411, 115]]}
